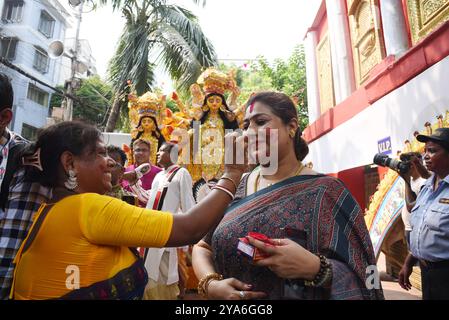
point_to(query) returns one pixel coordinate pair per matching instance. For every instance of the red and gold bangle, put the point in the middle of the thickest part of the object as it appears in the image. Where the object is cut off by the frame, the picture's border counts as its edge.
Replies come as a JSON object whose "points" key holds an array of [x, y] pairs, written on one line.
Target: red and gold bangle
{"points": [[224, 189], [229, 179], [222, 186]]}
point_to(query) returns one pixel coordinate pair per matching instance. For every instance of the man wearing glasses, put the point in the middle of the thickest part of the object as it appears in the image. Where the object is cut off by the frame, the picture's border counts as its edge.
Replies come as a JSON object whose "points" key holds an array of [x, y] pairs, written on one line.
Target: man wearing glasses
{"points": [[140, 175]]}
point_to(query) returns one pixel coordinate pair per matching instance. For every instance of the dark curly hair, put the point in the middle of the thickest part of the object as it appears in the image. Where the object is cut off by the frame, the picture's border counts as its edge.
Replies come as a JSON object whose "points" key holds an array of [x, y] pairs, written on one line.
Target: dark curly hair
{"points": [[116, 150], [73, 136], [6, 92]]}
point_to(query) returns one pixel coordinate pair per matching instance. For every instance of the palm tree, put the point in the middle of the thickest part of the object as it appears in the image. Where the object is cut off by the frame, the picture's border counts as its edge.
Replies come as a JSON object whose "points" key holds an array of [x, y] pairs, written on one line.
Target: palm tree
{"points": [[156, 33]]}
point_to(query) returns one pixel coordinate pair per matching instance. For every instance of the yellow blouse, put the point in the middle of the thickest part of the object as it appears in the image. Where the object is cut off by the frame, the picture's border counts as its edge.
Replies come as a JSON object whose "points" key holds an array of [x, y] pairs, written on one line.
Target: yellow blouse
{"points": [[91, 233]]}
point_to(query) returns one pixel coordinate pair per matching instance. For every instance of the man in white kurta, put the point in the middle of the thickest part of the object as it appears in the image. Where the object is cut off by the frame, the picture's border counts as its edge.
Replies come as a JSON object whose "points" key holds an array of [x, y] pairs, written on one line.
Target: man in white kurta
{"points": [[171, 191]]}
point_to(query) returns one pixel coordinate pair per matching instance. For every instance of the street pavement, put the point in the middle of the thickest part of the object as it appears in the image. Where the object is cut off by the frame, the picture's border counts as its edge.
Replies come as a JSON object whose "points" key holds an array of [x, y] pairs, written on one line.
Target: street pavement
{"points": [[390, 285]]}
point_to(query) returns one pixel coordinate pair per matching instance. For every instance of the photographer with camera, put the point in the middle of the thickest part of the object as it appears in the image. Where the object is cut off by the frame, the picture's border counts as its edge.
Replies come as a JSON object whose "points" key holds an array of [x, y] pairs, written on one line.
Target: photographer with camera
{"points": [[429, 219], [414, 179], [411, 169]]}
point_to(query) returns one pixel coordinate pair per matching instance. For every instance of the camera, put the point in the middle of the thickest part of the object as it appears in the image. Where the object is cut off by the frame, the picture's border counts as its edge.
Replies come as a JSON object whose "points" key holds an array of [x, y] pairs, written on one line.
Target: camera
{"points": [[397, 165]]}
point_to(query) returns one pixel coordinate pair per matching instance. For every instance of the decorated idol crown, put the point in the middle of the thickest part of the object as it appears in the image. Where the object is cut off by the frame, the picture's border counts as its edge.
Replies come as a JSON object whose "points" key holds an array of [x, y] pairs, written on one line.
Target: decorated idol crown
{"points": [[214, 81], [149, 104]]}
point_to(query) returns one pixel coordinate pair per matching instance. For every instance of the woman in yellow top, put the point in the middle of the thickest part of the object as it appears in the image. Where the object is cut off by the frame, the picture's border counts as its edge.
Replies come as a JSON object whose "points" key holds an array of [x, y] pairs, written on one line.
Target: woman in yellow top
{"points": [[78, 245]]}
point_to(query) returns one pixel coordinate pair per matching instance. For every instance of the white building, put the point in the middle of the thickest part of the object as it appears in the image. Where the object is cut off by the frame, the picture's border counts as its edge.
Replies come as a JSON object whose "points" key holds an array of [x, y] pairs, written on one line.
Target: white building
{"points": [[27, 28], [377, 74], [87, 63]]}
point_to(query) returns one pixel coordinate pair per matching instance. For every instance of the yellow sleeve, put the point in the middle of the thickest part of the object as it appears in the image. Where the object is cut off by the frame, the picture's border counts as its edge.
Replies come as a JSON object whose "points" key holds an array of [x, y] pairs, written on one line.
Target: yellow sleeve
{"points": [[109, 221]]}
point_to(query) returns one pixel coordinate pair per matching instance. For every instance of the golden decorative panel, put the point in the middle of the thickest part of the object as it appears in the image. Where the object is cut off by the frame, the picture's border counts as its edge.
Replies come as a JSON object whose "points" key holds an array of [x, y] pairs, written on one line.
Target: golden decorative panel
{"points": [[367, 43], [325, 79], [425, 16]]}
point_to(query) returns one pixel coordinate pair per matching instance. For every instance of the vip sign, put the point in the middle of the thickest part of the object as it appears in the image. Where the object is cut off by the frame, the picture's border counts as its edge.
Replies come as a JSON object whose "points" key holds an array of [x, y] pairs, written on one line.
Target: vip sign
{"points": [[384, 146]]}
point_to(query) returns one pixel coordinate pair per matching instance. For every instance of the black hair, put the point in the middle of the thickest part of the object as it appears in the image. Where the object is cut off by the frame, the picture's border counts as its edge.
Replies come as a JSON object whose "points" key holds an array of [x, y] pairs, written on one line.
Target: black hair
{"points": [[73, 136], [155, 126], [114, 149], [144, 141], [170, 146], [6, 92], [284, 108], [227, 124]]}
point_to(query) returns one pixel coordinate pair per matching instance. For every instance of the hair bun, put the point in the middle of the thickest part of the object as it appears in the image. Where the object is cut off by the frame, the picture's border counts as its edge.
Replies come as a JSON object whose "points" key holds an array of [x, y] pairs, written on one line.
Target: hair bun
{"points": [[301, 147]]}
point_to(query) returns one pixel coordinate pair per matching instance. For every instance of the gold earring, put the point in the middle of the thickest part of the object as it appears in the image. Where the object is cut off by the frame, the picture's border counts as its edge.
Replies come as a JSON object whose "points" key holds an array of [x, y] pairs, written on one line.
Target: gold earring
{"points": [[292, 134], [205, 108]]}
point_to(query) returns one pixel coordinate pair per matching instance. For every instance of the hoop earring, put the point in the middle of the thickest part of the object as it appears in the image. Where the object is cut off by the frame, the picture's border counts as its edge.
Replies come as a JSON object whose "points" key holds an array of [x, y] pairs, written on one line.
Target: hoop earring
{"points": [[205, 108], [71, 182]]}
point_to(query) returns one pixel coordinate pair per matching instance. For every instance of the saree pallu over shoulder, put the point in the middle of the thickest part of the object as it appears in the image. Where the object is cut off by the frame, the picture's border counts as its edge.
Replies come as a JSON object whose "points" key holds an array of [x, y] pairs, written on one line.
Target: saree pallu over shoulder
{"points": [[317, 212]]}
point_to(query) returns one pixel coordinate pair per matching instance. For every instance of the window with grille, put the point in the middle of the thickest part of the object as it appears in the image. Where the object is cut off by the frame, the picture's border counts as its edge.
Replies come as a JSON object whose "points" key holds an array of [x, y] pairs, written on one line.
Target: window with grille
{"points": [[41, 60], [37, 95], [46, 24], [8, 48], [12, 11]]}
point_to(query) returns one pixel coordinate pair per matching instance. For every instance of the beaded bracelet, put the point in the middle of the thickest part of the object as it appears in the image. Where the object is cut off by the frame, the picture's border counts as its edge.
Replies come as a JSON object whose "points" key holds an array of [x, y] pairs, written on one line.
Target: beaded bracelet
{"points": [[204, 282], [323, 276]]}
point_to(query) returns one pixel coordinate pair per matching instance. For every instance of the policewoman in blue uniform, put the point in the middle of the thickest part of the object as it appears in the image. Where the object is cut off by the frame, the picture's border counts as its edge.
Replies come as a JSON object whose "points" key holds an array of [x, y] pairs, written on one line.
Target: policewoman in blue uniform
{"points": [[429, 219]]}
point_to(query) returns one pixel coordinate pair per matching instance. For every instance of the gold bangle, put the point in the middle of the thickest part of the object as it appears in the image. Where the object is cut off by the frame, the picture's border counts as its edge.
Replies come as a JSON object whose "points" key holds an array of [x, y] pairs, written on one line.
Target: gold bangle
{"points": [[206, 285], [229, 179], [203, 283]]}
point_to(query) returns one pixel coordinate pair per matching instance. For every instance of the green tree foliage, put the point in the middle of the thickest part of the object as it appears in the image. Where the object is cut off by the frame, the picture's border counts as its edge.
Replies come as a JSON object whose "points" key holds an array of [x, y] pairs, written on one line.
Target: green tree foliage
{"points": [[248, 79], [157, 33], [95, 96], [290, 77], [287, 76]]}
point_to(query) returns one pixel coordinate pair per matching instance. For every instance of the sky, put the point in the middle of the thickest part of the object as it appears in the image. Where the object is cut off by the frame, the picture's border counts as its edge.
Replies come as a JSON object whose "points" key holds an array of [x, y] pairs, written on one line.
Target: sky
{"points": [[238, 29]]}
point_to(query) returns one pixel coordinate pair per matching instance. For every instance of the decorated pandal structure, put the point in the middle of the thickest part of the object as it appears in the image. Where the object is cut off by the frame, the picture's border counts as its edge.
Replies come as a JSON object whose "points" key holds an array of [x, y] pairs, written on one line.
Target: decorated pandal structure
{"points": [[377, 73], [383, 216], [198, 127]]}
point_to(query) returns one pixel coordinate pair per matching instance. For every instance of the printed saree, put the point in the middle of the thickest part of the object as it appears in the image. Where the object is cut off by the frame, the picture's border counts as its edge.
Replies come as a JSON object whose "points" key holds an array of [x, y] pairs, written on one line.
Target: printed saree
{"points": [[128, 284], [316, 211]]}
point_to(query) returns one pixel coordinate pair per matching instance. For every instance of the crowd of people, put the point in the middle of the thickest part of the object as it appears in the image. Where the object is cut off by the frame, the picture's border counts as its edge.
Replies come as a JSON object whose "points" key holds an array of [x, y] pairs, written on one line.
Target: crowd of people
{"points": [[78, 222]]}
